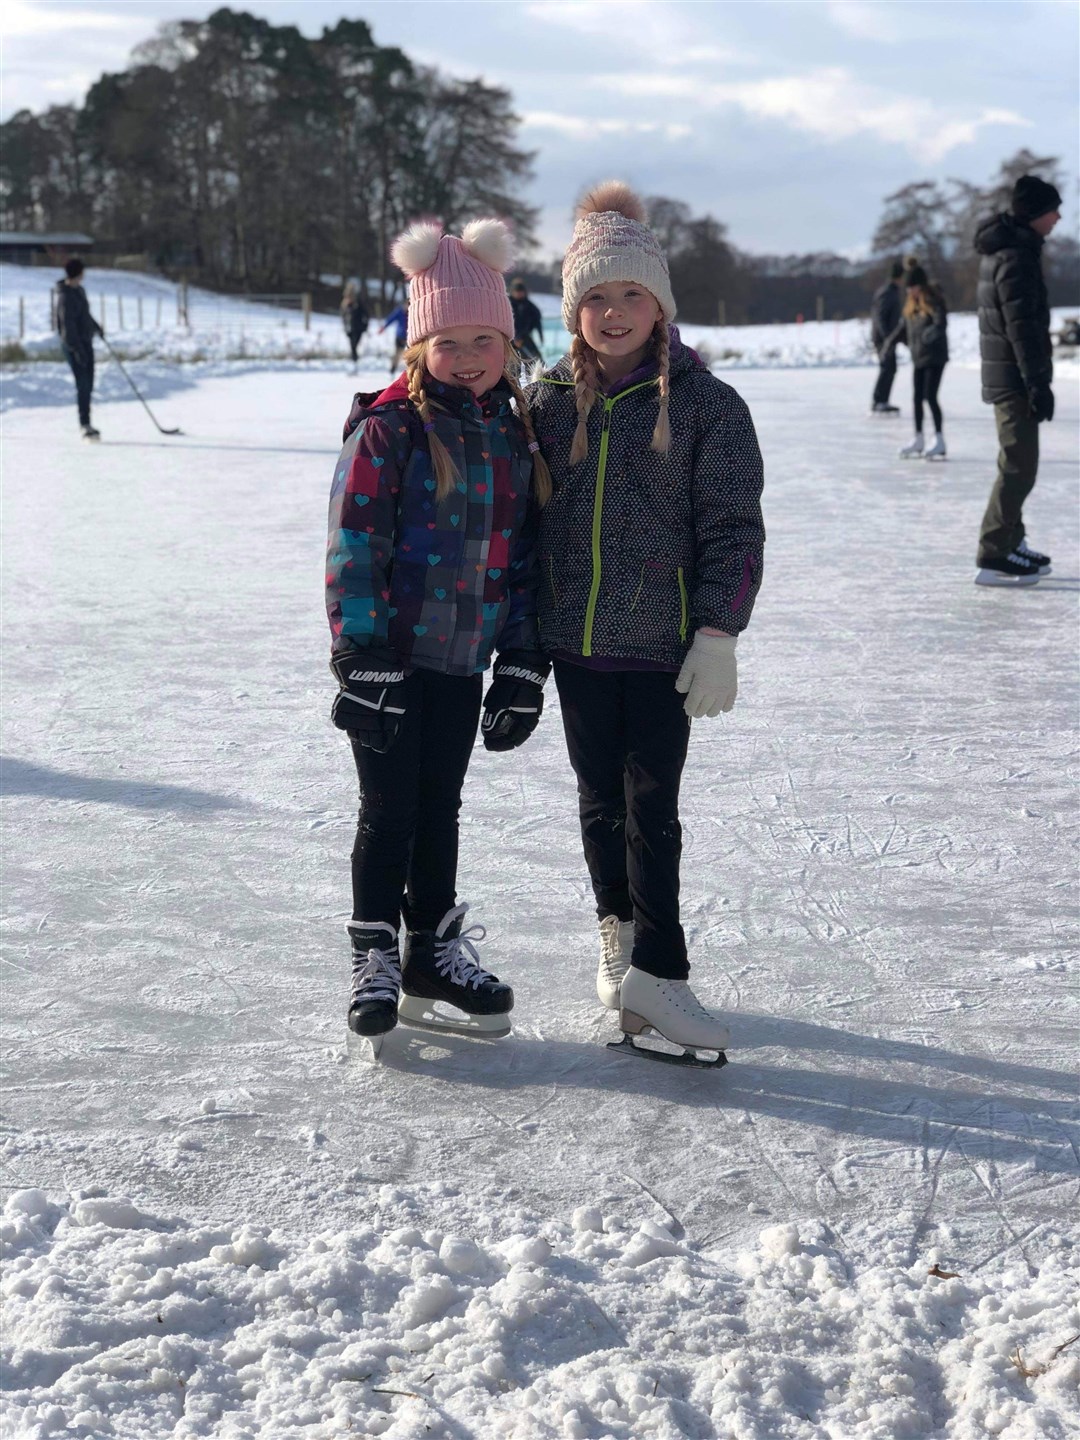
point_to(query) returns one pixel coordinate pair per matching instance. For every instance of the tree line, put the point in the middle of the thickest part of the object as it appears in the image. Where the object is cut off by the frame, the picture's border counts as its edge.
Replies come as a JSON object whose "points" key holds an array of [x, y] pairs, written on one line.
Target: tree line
{"points": [[241, 155]]}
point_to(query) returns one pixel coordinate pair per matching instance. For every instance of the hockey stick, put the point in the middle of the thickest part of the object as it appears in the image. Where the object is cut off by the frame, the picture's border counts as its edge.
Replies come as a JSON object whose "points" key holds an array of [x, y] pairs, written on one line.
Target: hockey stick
{"points": [[127, 377]]}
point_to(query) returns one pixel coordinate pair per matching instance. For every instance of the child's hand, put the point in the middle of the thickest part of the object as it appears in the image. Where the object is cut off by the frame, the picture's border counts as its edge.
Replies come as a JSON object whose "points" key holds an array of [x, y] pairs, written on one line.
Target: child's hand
{"points": [[371, 702], [709, 677], [515, 699]]}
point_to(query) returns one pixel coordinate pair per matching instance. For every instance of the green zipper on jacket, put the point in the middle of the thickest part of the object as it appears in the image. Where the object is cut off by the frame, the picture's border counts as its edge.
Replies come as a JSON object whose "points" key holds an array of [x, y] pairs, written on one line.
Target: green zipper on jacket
{"points": [[682, 604], [598, 508]]}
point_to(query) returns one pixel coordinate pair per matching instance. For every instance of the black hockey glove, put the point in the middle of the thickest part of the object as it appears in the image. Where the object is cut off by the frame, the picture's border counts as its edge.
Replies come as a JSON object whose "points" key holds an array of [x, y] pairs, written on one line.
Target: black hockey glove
{"points": [[1041, 400], [515, 699], [371, 702]]}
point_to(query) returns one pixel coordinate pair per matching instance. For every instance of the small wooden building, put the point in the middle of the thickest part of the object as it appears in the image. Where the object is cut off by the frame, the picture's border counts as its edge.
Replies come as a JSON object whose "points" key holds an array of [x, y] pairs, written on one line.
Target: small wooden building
{"points": [[27, 247]]}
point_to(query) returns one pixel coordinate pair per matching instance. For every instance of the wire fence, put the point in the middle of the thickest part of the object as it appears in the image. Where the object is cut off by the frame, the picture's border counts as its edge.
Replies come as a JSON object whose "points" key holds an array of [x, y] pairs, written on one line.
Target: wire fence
{"points": [[160, 309]]}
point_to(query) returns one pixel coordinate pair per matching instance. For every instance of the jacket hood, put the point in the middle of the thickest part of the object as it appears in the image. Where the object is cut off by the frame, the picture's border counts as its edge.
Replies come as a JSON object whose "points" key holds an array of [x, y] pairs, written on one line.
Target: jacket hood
{"points": [[1005, 232], [682, 359]]}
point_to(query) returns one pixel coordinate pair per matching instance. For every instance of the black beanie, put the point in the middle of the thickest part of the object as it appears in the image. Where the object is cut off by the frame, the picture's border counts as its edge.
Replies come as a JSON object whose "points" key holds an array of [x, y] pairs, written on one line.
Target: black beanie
{"points": [[1032, 197], [916, 276]]}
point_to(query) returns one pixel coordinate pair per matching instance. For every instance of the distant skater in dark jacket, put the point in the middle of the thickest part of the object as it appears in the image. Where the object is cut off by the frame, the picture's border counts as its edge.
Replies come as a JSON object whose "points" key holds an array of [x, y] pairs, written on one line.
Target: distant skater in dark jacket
{"points": [[527, 322], [884, 317], [77, 328], [922, 327], [354, 316], [1017, 368]]}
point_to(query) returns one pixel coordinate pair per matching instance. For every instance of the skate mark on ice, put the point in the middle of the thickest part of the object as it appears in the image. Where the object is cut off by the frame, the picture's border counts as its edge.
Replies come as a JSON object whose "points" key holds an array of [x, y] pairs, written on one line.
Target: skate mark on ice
{"points": [[674, 1224], [993, 1194]]}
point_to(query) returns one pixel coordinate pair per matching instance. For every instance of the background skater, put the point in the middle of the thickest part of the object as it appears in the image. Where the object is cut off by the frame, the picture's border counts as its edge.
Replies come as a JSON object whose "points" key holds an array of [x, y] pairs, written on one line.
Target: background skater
{"points": [[1017, 368], [77, 328]]}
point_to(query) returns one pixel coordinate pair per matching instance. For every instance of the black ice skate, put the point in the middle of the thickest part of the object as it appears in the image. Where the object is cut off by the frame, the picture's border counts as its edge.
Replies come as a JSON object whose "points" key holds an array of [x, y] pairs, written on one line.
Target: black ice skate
{"points": [[90, 433], [440, 968], [1011, 569], [376, 982], [1035, 556], [881, 407]]}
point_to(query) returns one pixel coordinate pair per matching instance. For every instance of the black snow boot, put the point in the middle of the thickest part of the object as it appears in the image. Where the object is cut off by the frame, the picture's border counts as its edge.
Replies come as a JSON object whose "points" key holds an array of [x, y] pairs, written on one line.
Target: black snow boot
{"points": [[442, 964], [376, 978]]}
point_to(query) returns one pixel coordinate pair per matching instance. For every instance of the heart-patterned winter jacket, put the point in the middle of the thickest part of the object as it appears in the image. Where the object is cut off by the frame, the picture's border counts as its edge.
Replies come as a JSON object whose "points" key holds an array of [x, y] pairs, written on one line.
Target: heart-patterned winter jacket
{"points": [[444, 583], [638, 549]]}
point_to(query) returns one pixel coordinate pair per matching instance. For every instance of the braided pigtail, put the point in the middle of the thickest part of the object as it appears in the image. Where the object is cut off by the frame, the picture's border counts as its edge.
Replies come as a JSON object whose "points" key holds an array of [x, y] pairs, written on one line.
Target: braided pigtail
{"points": [[541, 473], [586, 387], [661, 435], [446, 475]]}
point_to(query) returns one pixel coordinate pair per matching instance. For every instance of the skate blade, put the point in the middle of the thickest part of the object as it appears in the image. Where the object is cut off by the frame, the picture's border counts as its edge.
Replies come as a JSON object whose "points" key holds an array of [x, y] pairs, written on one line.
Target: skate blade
{"points": [[364, 1047], [688, 1059], [424, 1014], [1008, 582]]}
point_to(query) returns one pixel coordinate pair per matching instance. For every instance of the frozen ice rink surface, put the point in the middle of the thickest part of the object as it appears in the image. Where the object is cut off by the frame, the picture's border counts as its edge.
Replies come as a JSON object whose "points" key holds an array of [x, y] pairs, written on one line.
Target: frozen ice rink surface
{"points": [[879, 883]]}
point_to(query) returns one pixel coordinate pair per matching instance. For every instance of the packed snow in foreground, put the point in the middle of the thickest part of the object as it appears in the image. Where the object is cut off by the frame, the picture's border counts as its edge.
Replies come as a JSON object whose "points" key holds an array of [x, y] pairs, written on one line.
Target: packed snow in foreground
{"points": [[220, 1225]]}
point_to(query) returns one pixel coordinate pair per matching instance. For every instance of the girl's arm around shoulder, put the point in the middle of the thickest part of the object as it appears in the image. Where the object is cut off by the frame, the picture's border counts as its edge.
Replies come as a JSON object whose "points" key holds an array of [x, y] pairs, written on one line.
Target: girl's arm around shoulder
{"points": [[361, 531], [727, 481]]}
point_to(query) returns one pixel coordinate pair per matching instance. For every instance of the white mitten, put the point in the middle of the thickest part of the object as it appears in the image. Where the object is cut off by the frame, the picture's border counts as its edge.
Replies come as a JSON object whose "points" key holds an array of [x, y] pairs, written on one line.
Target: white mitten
{"points": [[709, 677]]}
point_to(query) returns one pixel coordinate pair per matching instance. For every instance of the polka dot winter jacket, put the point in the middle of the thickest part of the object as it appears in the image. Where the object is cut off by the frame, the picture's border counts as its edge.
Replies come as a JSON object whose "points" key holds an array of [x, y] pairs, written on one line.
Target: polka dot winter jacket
{"points": [[638, 549], [443, 583]]}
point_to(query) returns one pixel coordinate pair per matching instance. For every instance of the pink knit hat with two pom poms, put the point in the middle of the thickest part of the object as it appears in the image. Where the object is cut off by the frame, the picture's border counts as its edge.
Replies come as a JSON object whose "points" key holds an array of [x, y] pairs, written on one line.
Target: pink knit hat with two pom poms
{"points": [[612, 241], [456, 282]]}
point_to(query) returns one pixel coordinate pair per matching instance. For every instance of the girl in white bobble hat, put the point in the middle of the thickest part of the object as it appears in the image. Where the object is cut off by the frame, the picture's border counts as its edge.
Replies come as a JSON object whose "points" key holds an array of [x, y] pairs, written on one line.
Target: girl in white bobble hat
{"points": [[650, 560], [431, 574]]}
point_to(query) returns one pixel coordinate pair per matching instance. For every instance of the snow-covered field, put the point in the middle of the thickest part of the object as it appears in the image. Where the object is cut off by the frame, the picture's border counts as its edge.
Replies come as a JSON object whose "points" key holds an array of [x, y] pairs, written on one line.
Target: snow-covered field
{"points": [[219, 1224]]}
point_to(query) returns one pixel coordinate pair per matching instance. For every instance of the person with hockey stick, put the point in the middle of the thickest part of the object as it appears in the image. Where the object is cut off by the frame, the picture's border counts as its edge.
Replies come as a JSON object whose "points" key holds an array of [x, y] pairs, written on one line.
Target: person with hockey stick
{"points": [[650, 560], [76, 328], [432, 571], [923, 328]]}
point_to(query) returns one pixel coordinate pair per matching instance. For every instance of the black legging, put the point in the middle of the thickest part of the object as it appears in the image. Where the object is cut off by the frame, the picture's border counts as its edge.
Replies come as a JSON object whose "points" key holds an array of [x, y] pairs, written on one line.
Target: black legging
{"points": [[927, 380]]}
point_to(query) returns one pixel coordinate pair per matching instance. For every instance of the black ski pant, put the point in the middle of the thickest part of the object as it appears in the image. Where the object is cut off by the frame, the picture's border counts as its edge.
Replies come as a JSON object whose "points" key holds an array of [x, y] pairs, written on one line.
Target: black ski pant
{"points": [[627, 733], [404, 861], [886, 376], [82, 367], [927, 381], [1002, 526]]}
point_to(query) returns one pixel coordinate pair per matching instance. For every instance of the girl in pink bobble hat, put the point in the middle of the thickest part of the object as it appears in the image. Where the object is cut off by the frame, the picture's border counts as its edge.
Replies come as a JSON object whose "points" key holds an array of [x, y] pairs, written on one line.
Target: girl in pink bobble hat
{"points": [[431, 574], [650, 558]]}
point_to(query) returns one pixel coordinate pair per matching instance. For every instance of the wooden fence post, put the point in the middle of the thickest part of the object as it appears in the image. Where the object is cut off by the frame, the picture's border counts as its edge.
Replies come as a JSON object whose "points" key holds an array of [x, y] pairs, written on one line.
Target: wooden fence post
{"points": [[120, 309], [820, 308], [305, 301], [22, 317], [138, 310], [157, 324]]}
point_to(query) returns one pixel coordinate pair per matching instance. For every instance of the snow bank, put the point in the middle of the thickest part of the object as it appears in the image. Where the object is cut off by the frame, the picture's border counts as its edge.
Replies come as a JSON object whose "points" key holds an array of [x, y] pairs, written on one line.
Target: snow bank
{"points": [[122, 1324]]}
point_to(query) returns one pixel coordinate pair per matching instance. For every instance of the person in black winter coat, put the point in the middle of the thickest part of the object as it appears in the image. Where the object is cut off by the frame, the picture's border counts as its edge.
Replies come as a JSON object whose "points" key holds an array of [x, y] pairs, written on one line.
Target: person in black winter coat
{"points": [[354, 316], [884, 317], [923, 327], [527, 321], [1017, 370], [77, 328]]}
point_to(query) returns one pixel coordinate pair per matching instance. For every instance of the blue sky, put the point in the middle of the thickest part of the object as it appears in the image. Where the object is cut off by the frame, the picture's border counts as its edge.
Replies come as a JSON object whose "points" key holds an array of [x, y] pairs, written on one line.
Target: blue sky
{"points": [[790, 122]]}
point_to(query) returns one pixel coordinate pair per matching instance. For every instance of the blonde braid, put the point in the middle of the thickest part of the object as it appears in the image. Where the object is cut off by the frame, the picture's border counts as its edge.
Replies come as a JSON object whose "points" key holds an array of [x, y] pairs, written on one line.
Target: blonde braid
{"points": [[586, 386], [541, 473], [446, 475], [661, 436]]}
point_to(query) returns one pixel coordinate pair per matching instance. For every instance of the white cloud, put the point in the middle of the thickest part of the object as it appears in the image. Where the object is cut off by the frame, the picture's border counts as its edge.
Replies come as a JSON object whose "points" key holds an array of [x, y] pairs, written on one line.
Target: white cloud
{"points": [[867, 21], [642, 27], [584, 127], [833, 104], [23, 18]]}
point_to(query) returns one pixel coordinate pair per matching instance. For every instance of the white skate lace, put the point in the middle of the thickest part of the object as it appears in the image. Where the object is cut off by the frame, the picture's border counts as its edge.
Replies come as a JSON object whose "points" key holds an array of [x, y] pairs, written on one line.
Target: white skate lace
{"points": [[612, 961], [376, 976], [687, 1001], [457, 959]]}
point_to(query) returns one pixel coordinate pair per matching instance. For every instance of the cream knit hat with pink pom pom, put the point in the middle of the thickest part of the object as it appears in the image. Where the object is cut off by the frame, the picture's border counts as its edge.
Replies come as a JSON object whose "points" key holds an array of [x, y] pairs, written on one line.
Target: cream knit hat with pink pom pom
{"points": [[456, 282], [612, 241]]}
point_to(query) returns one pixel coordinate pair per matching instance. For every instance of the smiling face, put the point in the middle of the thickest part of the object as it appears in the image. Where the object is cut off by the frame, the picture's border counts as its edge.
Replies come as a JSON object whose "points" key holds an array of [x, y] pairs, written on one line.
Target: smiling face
{"points": [[617, 319], [466, 355]]}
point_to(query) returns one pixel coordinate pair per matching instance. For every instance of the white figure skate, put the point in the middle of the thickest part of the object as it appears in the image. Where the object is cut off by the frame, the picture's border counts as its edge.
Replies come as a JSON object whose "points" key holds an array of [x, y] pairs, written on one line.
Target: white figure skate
{"points": [[914, 450], [671, 1010], [616, 947], [937, 451]]}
